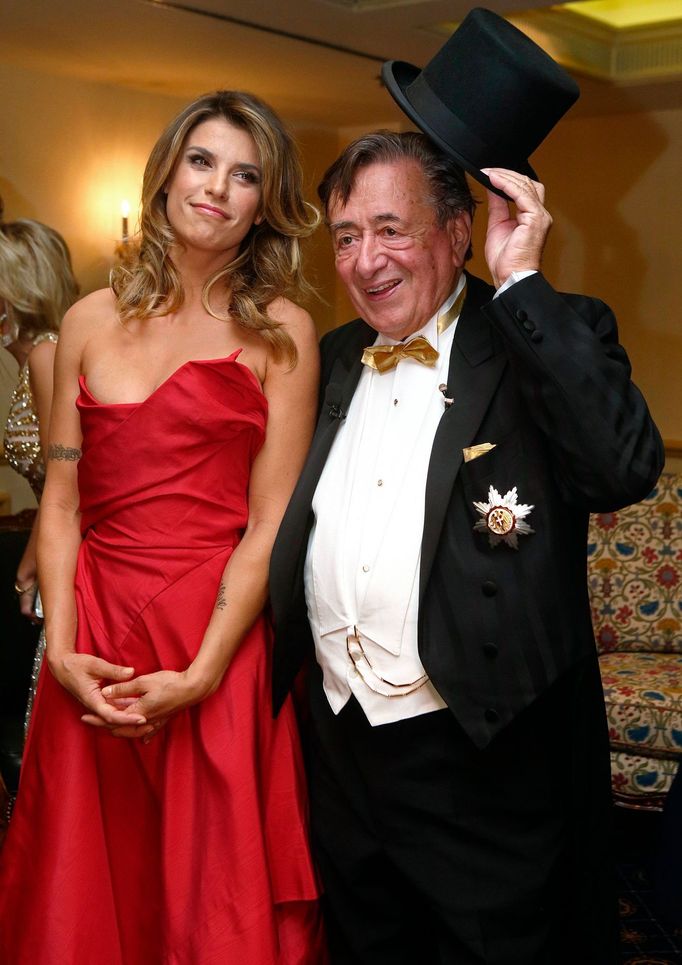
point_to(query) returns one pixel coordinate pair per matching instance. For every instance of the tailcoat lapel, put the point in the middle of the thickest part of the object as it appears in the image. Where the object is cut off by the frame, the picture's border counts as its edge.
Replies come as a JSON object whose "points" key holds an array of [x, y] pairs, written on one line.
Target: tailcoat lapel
{"points": [[476, 365], [338, 393], [295, 528]]}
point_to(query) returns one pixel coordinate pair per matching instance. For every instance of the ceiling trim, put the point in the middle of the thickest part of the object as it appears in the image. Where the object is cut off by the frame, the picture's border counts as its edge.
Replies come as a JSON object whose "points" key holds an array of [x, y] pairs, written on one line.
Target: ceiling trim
{"points": [[361, 6], [646, 53], [239, 22]]}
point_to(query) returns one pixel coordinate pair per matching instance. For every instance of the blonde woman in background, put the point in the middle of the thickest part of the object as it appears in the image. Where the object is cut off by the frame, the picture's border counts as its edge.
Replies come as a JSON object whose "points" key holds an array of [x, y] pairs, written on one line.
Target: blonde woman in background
{"points": [[161, 815], [37, 287]]}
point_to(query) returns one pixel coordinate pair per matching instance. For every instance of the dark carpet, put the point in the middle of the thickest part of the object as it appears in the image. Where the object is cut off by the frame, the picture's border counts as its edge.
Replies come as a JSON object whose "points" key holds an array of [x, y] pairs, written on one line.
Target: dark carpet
{"points": [[647, 938]]}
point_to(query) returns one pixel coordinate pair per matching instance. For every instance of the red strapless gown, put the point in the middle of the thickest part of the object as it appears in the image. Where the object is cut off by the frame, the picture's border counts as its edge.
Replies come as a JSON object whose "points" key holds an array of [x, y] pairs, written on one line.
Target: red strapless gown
{"points": [[191, 849]]}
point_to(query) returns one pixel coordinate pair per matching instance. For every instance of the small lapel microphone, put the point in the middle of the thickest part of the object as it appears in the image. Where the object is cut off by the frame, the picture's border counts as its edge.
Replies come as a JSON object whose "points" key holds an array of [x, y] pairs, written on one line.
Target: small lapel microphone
{"points": [[444, 390], [332, 398]]}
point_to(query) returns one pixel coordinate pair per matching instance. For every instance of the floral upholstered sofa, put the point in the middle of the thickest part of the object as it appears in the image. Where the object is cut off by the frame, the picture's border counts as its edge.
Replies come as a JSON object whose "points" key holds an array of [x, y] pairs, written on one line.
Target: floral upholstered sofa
{"points": [[635, 580]]}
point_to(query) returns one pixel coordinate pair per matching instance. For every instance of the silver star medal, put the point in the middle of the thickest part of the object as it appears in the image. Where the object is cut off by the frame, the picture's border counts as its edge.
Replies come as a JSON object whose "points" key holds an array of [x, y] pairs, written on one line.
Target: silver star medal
{"points": [[503, 518]]}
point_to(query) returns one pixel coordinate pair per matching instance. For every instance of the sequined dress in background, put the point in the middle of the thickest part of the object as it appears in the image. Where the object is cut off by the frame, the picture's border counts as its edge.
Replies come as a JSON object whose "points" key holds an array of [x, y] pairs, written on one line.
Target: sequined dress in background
{"points": [[23, 453], [22, 436]]}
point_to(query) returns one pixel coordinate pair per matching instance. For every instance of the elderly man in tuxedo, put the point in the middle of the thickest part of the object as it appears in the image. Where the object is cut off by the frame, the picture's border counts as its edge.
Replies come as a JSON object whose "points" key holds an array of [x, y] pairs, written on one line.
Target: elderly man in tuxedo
{"points": [[432, 566]]}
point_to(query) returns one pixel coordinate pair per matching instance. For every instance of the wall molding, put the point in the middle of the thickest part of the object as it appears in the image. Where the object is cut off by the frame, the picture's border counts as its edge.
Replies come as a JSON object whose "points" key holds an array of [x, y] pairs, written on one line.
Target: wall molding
{"points": [[629, 55]]}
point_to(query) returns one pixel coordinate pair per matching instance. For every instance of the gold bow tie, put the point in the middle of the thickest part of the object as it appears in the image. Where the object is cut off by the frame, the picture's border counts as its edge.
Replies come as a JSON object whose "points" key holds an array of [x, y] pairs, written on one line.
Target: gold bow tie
{"points": [[383, 358]]}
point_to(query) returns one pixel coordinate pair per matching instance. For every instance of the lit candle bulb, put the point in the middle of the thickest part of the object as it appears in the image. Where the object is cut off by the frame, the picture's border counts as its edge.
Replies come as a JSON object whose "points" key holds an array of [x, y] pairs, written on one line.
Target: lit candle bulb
{"points": [[125, 211]]}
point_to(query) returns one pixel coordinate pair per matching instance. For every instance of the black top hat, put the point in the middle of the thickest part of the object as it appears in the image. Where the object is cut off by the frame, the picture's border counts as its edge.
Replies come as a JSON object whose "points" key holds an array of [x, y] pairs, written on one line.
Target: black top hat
{"points": [[488, 98]]}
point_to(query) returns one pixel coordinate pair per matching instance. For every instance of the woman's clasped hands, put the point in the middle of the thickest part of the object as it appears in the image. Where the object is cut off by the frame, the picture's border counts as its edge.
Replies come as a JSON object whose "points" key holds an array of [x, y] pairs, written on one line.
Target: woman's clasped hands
{"points": [[155, 697], [125, 705]]}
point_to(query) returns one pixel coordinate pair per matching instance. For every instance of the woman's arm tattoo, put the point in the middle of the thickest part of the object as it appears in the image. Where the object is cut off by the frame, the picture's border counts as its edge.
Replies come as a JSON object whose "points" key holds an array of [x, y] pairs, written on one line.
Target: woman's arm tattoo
{"points": [[58, 451], [221, 602]]}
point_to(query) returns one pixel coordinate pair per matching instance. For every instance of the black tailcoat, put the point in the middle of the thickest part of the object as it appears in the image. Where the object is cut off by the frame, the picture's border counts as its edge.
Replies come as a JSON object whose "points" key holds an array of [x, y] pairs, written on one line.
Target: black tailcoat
{"points": [[541, 376]]}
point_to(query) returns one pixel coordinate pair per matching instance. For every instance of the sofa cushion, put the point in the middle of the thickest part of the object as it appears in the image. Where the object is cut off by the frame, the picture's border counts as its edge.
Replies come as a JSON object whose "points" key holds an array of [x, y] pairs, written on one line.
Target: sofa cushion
{"points": [[643, 693], [635, 572], [638, 781]]}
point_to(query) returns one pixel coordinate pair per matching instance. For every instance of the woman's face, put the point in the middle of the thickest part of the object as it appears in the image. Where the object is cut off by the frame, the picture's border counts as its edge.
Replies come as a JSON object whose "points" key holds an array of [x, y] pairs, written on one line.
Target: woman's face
{"points": [[214, 193]]}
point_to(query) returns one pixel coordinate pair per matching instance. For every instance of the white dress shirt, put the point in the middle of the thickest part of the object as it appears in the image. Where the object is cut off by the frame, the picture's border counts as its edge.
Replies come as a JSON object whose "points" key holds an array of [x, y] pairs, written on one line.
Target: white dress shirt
{"points": [[364, 551]]}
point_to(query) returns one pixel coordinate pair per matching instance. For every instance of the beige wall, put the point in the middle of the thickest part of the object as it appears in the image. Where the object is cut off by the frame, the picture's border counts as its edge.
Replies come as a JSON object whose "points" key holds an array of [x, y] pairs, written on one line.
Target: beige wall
{"points": [[319, 148], [615, 192], [70, 151], [614, 189]]}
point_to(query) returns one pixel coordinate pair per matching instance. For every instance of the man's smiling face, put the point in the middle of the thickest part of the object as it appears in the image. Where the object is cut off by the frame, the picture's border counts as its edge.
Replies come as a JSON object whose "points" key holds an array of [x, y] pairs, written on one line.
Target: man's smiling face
{"points": [[397, 263]]}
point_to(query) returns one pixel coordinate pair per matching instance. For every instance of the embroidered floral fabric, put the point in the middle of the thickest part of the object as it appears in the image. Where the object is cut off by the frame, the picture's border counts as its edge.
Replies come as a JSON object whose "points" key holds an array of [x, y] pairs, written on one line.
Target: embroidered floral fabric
{"points": [[641, 782], [634, 570], [634, 564]]}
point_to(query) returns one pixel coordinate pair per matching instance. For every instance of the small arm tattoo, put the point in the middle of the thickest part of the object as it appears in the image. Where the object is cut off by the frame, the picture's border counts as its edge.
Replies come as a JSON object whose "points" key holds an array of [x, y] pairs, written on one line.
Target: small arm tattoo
{"points": [[221, 602], [58, 451]]}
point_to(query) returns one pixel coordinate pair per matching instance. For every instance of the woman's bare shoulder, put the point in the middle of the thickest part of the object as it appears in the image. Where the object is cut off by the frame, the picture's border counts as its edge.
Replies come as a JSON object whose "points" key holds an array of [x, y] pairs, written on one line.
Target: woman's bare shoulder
{"points": [[89, 315], [296, 320], [98, 305]]}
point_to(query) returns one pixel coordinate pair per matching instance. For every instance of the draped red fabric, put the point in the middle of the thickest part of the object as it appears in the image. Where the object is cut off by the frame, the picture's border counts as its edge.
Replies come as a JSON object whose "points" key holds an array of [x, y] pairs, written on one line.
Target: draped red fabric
{"points": [[192, 849]]}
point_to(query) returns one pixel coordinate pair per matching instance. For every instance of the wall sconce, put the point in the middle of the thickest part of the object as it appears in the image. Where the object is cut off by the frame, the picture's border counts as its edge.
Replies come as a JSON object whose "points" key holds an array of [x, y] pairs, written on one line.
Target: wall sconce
{"points": [[125, 213], [126, 249]]}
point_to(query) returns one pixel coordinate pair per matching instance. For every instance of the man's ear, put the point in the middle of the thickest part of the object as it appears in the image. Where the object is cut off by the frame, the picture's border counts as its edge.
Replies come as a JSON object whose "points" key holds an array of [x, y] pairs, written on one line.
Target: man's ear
{"points": [[459, 232]]}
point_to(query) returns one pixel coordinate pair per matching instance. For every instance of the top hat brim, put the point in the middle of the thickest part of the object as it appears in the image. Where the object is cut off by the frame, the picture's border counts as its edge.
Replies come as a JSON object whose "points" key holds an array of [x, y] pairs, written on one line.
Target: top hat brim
{"points": [[398, 75]]}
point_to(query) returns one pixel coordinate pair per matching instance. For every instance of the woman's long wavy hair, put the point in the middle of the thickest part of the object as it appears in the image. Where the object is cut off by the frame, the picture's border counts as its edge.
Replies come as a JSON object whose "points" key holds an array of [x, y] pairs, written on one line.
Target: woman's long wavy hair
{"points": [[269, 261], [36, 278]]}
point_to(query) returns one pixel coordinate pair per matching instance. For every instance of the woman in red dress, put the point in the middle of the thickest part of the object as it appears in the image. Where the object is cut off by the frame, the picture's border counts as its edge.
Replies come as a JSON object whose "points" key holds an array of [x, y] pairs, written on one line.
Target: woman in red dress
{"points": [[161, 816]]}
